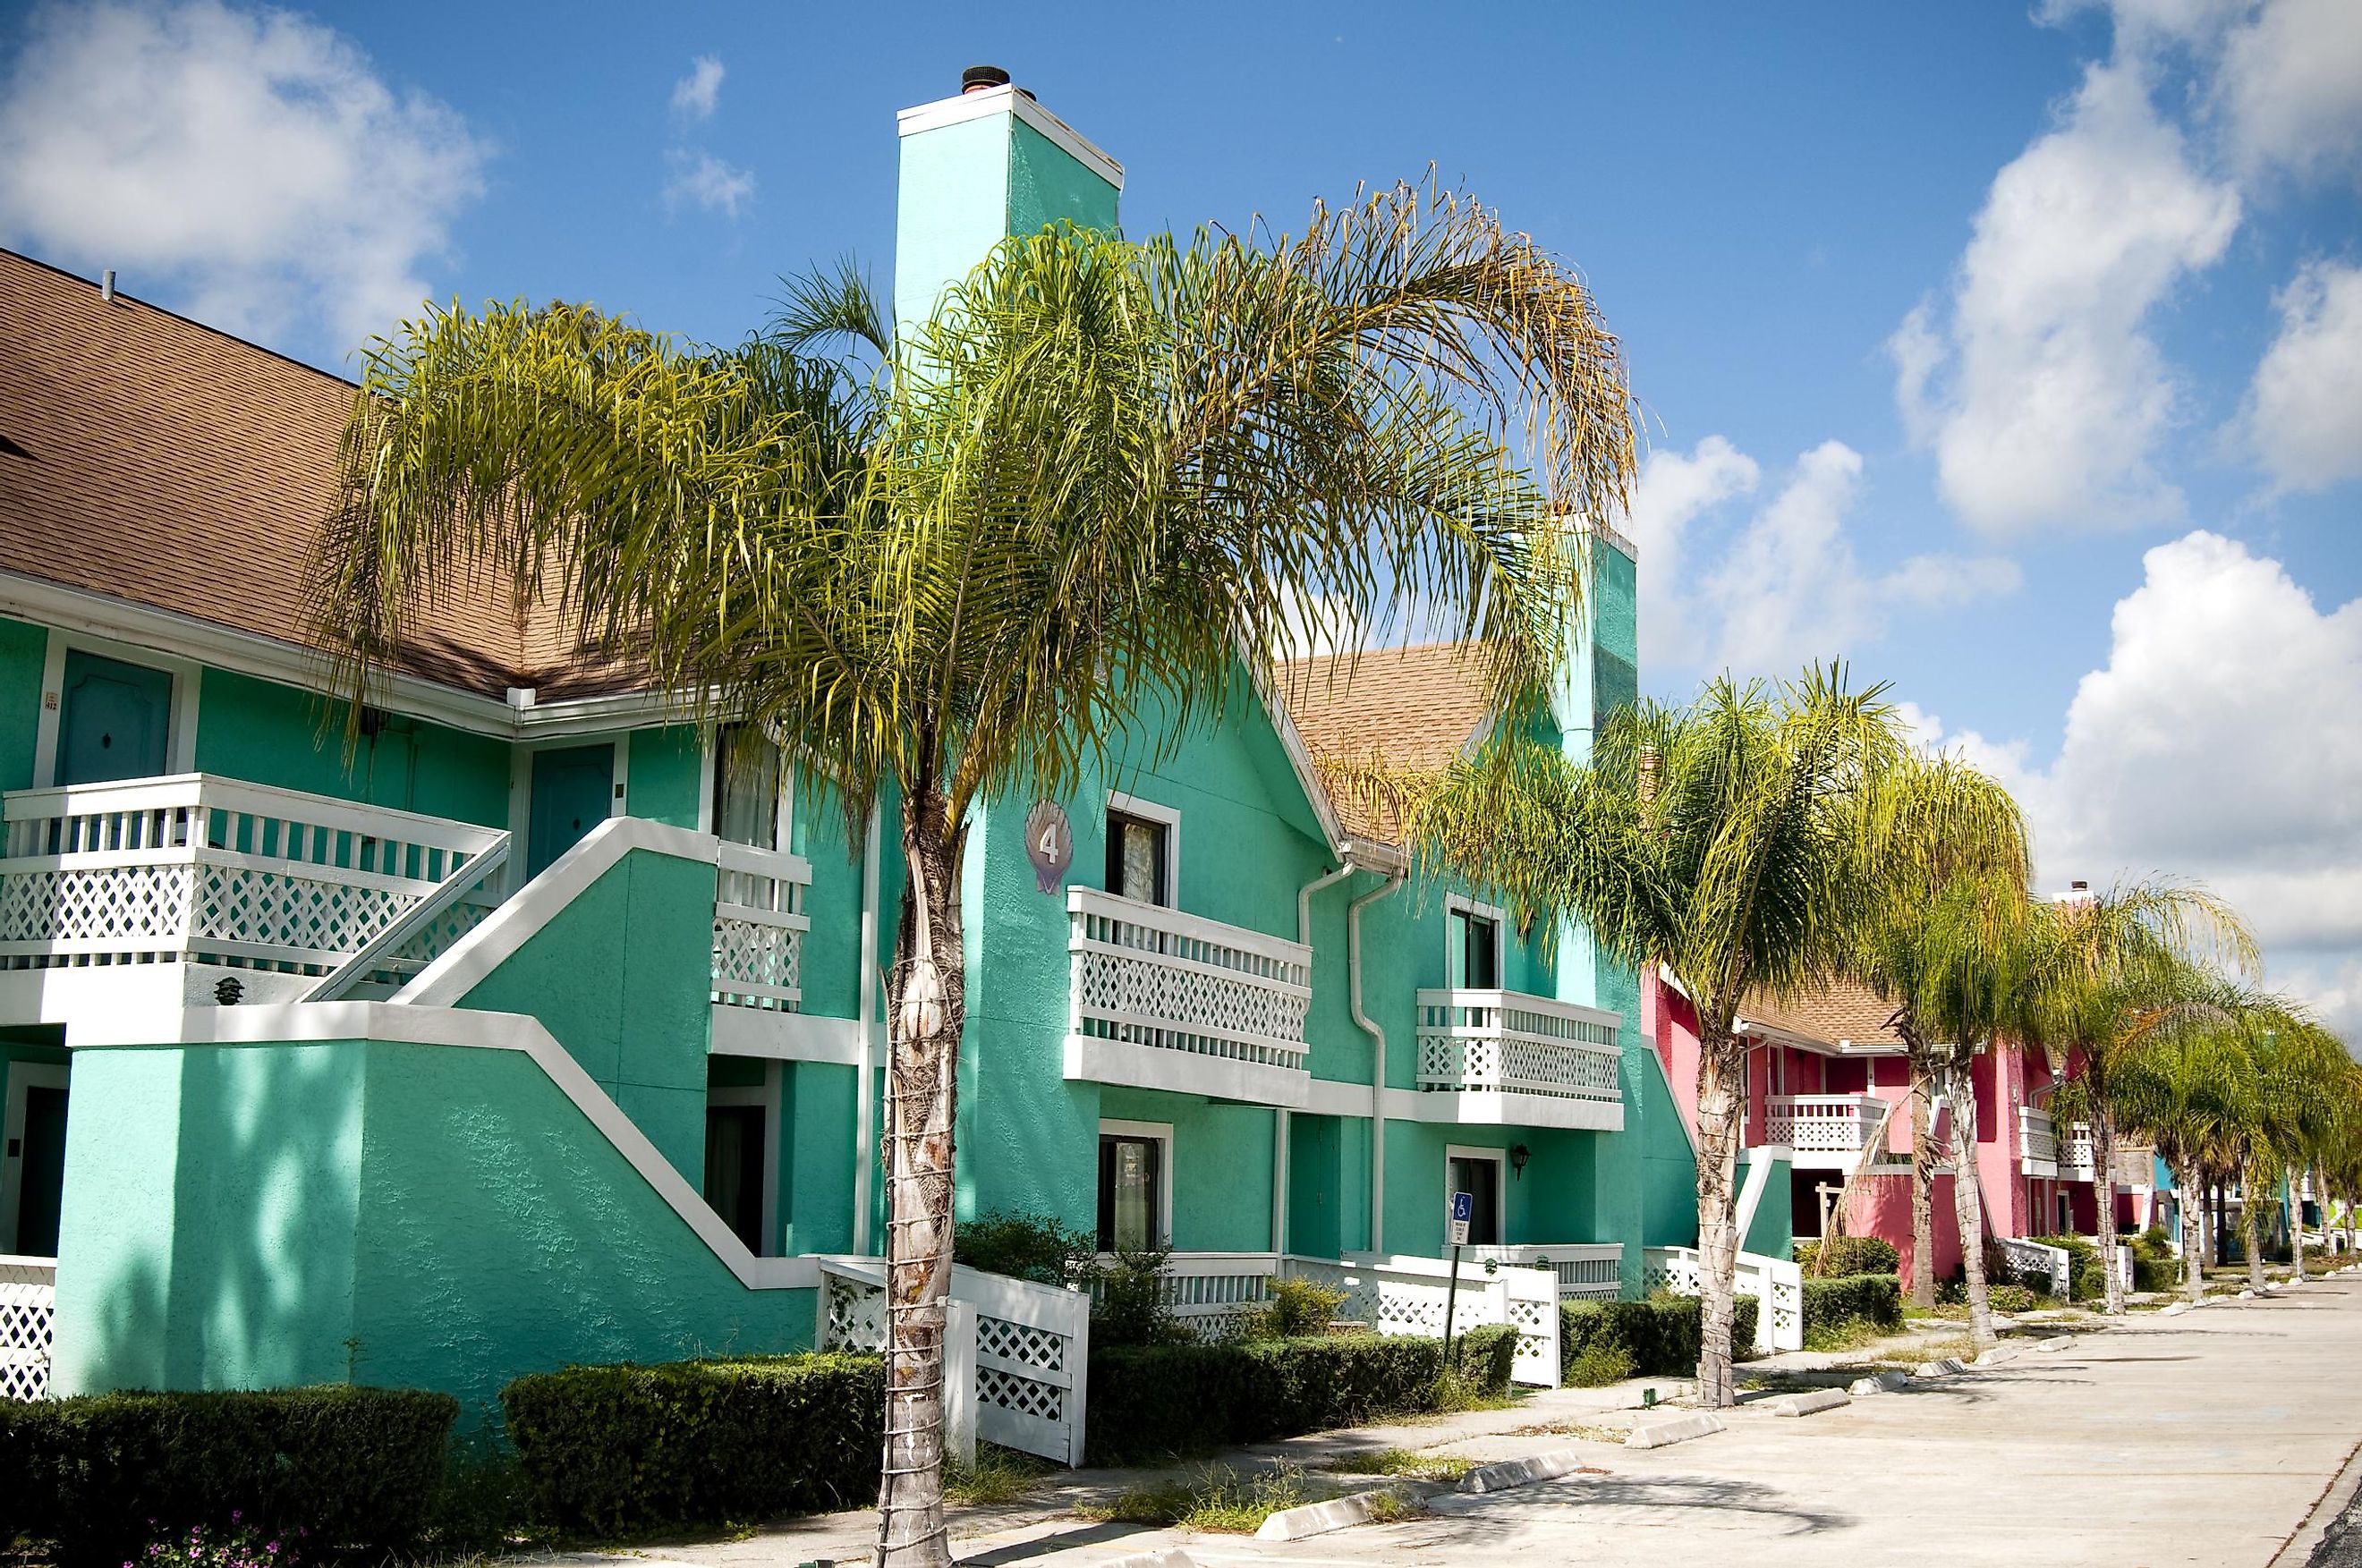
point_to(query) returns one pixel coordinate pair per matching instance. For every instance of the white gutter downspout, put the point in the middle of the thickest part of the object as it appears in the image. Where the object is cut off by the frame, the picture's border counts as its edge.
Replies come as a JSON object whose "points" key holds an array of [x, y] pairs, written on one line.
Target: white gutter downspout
{"points": [[1377, 1059], [1279, 1124], [864, 1151]]}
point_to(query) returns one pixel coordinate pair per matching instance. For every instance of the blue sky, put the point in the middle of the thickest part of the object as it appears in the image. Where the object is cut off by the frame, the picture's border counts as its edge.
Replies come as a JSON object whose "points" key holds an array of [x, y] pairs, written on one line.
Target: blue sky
{"points": [[2130, 230]]}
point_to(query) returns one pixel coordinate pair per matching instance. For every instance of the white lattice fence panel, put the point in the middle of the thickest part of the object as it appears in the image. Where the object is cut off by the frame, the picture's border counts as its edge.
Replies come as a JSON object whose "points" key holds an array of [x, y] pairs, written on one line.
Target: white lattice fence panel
{"points": [[308, 920], [757, 963], [1535, 1317], [29, 1311], [135, 910], [1492, 1040], [853, 1313]]}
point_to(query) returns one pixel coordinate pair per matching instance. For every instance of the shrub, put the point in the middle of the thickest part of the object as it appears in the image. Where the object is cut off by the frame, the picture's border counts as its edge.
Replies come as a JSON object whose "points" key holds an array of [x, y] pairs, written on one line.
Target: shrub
{"points": [[2087, 1278], [1659, 1337], [617, 1450], [1154, 1399], [1024, 1246], [1484, 1358], [1874, 1299], [2154, 1265], [357, 1470], [1850, 1254], [1130, 1304], [2012, 1298], [1296, 1308]]}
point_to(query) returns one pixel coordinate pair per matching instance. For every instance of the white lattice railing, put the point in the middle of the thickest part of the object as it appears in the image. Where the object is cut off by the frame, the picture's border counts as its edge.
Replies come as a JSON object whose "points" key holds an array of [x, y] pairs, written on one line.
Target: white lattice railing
{"points": [[1212, 1291], [28, 1312], [1148, 976], [1508, 1042], [195, 868], [1586, 1271], [1400, 1295], [758, 927], [2038, 1142], [2037, 1265], [1777, 1285], [1822, 1125], [2077, 1161], [1016, 1355]]}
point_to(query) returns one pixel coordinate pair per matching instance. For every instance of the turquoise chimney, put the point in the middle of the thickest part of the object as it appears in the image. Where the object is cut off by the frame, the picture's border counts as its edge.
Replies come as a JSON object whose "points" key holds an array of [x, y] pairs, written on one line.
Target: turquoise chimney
{"points": [[979, 166]]}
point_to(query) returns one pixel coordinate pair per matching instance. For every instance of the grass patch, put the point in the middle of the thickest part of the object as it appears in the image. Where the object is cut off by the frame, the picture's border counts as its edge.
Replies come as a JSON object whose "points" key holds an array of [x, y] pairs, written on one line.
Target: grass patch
{"points": [[1854, 1333], [1219, 1500], [1455, 1392], [1904, 1358], [1405, 1462], [999, 1475], [1583, 1432], [1393, 1507]]}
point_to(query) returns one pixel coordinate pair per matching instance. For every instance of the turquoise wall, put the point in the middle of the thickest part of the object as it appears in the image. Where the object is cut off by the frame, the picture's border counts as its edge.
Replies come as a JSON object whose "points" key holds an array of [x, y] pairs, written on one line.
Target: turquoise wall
{"points": [[664, 774], [267, 733], [623, 977], [24, 652], [405, 1215], [1771, 1233]]}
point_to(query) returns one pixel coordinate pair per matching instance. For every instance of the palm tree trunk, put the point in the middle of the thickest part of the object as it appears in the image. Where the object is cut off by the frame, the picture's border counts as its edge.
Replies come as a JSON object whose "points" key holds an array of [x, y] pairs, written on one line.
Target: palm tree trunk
{"points": [[1966, 1211], [1722, 1069], [2193, 1242], [921, 1104], [1923, 1178], [2251, 1228], [2104, 1192]]}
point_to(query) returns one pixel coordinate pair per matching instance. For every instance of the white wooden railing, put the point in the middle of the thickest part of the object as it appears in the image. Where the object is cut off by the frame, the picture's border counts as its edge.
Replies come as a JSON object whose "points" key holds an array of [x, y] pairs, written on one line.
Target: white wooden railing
{"points": [[2076, 1160], [1586, 1271], [199, 869], [29, 1314], [1405, 1296], [1016, 1355], [1174, 999], [2037, 1138], [2038, 1265], [1508, 1042], [1777, 1284], [758, 927], [1817, 1126], [1213, 1291]]}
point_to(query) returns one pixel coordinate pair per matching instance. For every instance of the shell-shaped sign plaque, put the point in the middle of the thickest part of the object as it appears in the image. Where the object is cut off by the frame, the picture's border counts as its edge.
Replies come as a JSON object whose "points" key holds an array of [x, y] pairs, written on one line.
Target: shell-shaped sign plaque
{"points": [[1049, 844]]}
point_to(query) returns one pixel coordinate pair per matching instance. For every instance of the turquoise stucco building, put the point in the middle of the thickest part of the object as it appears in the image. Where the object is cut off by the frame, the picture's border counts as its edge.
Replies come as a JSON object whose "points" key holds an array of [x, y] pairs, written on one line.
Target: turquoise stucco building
{"points": [[546, 1028]]}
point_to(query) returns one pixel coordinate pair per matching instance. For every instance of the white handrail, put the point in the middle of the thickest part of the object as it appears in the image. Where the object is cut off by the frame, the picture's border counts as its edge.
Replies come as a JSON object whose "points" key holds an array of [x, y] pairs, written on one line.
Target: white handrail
{"points": [[382, 947]]}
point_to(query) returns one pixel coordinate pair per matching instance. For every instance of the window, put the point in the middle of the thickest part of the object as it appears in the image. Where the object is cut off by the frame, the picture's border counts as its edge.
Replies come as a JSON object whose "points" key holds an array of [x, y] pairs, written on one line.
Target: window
{"points": [[746, 787], [1137, 852], [1473, 961], [734, 1170], [1477, 1172], [1133, 1212]]}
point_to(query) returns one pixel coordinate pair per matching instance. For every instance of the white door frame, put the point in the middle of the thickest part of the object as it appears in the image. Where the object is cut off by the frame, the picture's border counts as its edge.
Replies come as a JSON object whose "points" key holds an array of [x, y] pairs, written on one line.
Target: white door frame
{"points": [[765, 1096], [180, 718], [521, 757], [1162, 1133], [1500, 1161], [23, 1076]]}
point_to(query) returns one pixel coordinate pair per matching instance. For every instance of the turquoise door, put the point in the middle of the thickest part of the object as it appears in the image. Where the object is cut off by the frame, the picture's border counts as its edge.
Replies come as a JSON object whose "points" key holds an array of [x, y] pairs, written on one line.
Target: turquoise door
{"points": [[112, 721], [570, 791]]}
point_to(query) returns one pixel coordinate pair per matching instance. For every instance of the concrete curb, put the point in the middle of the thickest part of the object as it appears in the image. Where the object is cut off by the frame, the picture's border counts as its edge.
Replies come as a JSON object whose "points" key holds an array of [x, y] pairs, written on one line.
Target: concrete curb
{"points": [[1508, 1473], [2064, 1341], [1947, 1368], [2173, 1311], [1171, 1557], [1998, 1355], [1881, 1383], [1337, 1513], [1807, 1404], [1703, 1423]]}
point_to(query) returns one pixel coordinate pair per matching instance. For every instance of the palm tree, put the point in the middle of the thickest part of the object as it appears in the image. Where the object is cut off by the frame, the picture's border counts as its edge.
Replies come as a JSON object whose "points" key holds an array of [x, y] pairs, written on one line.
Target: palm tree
{"points": [[2188, 1091], [1972, 836], [1731, 843], [2296, 1066], [1102, 475], [2112, 971]]}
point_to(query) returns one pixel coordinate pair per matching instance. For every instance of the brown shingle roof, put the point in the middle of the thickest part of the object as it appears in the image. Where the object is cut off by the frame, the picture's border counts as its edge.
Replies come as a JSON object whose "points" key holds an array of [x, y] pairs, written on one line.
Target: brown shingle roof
{"points": [[152, 459], [1412, 708], [1842, 1015]]}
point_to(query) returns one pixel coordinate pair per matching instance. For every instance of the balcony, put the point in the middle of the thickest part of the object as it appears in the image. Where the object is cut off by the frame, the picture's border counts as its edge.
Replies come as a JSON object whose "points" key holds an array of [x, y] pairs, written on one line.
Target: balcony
{"points": [[196, 888], [1824, 1132], [2076, 1161], [2037, 1143], [1164, 1000], [1504, 1058]]}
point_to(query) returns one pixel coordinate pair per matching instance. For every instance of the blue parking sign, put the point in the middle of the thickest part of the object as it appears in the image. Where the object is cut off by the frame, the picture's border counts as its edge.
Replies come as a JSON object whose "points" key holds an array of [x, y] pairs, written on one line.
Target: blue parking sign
{"points": [[1463, 1207]]}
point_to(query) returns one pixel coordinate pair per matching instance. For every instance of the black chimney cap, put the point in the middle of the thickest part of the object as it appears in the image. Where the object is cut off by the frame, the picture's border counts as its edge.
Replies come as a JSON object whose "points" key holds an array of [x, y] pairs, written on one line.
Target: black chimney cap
{"points": [[976, 78]]}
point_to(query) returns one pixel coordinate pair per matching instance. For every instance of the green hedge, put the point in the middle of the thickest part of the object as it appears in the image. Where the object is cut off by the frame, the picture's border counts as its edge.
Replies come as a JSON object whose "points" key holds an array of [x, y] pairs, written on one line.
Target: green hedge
{"points": [[1151, 1400], [101, 1476], [2087, 1280], [619, 1450], [1875, 1299], [1662, 1334], [1851, 1255]]}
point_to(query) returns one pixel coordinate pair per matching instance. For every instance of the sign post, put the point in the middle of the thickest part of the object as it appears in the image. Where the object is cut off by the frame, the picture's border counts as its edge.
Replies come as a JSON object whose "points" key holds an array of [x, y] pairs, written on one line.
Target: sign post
{"points": [[1463, 1209]]}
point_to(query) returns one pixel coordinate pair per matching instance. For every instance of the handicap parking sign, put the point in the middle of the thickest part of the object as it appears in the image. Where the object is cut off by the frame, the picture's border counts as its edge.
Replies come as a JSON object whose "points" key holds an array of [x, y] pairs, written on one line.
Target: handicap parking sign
{"points": [[1463, 1209]]}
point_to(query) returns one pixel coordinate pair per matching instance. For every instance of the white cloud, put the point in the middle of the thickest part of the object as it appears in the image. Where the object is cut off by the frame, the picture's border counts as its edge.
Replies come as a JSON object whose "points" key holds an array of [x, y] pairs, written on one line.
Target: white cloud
{"points": [[1674, 490], [704, 181], [2304, 411], [694, 97], [2038, 386], [2217, 743], [1788, 588], [2291, 87], [252, 161]]}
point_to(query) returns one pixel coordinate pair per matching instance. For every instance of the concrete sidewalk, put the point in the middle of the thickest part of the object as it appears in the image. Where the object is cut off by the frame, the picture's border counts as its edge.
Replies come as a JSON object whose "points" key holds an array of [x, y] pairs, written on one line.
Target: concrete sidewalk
{"points": [[2207, 1437]]}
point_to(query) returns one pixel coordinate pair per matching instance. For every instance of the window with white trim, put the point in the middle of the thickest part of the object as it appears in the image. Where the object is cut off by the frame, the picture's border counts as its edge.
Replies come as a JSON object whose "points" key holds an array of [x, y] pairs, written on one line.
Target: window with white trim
{"points": [[1473, 954], [1135, 1186], [1477, 1172], [1141, 845]]}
